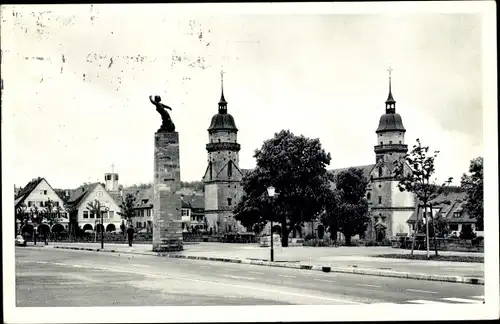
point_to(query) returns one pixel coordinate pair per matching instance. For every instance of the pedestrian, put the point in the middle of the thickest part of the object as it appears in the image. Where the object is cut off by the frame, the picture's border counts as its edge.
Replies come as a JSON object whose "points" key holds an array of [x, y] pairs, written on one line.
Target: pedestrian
{"points": [[130, 233]]}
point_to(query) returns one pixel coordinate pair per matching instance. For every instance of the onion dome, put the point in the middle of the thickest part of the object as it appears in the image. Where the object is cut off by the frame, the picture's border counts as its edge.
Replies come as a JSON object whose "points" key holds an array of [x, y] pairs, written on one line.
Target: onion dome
{"points": [[222, 120], [390, 121]]}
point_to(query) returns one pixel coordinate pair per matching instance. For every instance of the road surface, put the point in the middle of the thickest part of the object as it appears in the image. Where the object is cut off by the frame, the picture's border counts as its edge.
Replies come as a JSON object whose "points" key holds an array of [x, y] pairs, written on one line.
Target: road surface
{"points": [[53, 277]]}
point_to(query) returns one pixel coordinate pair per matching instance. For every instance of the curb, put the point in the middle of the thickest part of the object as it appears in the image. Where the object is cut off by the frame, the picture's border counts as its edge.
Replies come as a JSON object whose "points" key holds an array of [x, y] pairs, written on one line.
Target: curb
{"points": [[353, 270]]}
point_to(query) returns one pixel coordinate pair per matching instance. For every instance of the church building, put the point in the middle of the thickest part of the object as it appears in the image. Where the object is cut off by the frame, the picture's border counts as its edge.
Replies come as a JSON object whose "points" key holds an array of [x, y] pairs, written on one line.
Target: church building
{"points": [[222, 175], [389, 207]]}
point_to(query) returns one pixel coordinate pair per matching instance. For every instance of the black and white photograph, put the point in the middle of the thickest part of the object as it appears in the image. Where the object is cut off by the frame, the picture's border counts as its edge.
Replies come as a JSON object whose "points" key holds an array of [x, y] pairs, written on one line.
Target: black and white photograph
{"points": [[257, 162]]}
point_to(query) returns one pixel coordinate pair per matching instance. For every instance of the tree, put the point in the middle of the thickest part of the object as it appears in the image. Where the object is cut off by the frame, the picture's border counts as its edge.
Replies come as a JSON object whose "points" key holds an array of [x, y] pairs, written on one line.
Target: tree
{"points": [[351, 212], [329, 217], [127, 207], [414, 173], [296, 167], [472, 184]]}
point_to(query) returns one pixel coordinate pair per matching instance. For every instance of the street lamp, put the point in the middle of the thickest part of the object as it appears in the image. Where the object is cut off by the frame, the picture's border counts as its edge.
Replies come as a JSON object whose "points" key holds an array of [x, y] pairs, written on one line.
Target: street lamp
{"points": [[106, 209], [270, 193]]}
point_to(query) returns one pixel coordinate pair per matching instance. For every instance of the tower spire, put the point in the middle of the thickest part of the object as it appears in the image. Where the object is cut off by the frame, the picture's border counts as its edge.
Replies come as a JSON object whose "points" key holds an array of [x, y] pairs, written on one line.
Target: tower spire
{"points": [[222, 101], [390, 103]]}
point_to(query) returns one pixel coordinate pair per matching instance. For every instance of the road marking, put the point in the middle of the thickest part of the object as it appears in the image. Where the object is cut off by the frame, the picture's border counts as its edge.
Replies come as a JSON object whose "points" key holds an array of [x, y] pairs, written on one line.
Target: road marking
{"points": [[203, 266], [326, 280], [286, 276], [462, 300], [422, 291], [218, 283], [478, 297], [424, 302], [367, 285], [238, 277], [255, 272]]}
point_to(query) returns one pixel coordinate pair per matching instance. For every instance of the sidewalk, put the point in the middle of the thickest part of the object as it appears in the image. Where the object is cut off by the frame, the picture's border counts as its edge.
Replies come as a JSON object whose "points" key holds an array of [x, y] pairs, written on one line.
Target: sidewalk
{"points": [[342, 259]]}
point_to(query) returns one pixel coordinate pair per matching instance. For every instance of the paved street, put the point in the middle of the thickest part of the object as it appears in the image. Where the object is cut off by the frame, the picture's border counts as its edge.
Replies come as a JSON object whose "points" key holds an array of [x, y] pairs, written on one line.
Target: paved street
{"points": [[53, 277], [361, 257]]}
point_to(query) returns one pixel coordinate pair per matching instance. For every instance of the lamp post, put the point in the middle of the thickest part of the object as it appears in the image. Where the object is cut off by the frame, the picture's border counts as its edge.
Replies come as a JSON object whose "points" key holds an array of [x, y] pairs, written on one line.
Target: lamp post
{"points": [[106, 209], [271, 192]]}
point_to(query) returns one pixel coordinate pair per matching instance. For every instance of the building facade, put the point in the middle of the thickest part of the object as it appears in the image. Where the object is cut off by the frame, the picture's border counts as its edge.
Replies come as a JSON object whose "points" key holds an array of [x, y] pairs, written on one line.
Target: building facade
{"points": [[222, 176], [86, 219], [35, 197]]}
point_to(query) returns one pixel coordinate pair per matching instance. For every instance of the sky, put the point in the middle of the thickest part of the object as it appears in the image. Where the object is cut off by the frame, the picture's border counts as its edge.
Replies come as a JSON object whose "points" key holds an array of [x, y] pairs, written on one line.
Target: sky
{"points": [[77, 80]]}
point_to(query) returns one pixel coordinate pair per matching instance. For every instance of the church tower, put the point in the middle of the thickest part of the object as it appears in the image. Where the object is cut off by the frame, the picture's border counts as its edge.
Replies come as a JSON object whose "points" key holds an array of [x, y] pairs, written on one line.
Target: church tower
{"points": [[222, 176], [390, 132], [390, 208]]}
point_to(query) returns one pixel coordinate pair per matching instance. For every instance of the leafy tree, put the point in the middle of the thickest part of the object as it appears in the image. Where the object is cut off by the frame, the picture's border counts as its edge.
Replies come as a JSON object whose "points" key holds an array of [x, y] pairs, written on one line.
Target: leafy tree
{"points": [[472, 184], [97, 208], [296, 167], [127, 207], [329, 217], [351, 212], [198, 186], [248, 212], [467, 233], [414, 173]]}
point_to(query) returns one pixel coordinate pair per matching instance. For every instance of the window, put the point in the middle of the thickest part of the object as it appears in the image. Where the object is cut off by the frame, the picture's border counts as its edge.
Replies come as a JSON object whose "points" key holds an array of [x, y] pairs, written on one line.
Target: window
{"points": [[399, 142], [456, 214], [111, 214], [368, 196], [218, 140], [390, 142], [92, 215], [381, 143], [229, 200], [380, 173], [149, 213], [230, 169], [56, 203], [29, 203], [45, 192], [185, 212], [85, 214], [116, 177], [145, 201], [108, 177], [379, 199]]}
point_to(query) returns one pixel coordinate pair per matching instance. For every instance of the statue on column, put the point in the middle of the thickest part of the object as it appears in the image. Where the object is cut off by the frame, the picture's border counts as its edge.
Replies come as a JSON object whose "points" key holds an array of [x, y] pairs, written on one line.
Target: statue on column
{"points": [[167, 124]]}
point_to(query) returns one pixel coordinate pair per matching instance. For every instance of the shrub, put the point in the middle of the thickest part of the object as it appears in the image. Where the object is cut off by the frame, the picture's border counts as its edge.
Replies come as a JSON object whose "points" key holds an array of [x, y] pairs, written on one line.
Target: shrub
{"points": [[386, 242], [317, 242]]}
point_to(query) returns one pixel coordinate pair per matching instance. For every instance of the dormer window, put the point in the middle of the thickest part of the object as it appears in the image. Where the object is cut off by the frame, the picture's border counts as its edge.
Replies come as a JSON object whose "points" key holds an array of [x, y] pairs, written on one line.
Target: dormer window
{"points": [[381, 143], [145, 201], [390, 142]]}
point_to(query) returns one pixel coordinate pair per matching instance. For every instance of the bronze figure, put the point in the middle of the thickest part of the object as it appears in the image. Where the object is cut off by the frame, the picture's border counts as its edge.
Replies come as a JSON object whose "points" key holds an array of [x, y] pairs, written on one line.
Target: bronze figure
{"points": [[167, 124]]}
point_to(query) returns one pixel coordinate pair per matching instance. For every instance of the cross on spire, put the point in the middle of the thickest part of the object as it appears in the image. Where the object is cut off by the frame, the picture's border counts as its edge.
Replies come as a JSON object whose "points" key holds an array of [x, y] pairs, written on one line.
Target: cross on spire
{"points": [[390, 77], [390, 103], [222, 101]]}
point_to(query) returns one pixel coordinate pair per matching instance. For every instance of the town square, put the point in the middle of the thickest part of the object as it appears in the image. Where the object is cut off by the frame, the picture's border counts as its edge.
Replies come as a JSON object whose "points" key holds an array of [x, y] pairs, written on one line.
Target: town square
{"points": [[230, 159]]}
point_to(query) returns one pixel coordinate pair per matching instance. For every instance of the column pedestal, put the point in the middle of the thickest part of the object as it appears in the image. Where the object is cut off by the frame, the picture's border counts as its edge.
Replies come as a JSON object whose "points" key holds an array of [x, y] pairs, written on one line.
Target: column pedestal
{"points": [[167, 220]]}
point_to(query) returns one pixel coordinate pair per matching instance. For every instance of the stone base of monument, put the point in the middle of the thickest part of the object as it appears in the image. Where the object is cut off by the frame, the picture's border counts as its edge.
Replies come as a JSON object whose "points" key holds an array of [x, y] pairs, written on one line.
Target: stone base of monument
{"points": [[173, 245], [167, 220]]}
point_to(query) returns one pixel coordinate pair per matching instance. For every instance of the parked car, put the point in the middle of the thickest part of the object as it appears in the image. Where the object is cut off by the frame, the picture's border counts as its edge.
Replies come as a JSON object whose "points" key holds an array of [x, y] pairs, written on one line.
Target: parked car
{"points": [[20, 241]]}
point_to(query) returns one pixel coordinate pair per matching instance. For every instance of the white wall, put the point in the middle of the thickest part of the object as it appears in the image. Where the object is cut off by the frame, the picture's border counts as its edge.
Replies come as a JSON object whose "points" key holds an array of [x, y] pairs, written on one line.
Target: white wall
{"points": [[401, 198], [211, 197], [102, 195], [42, 193]]}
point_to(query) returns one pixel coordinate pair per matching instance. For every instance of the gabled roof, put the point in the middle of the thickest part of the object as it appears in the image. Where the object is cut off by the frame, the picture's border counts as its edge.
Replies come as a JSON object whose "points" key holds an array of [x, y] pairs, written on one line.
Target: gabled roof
{"points": [[147, 196], [193, 201], [367, 169], [78, 195], [27, 190]]}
